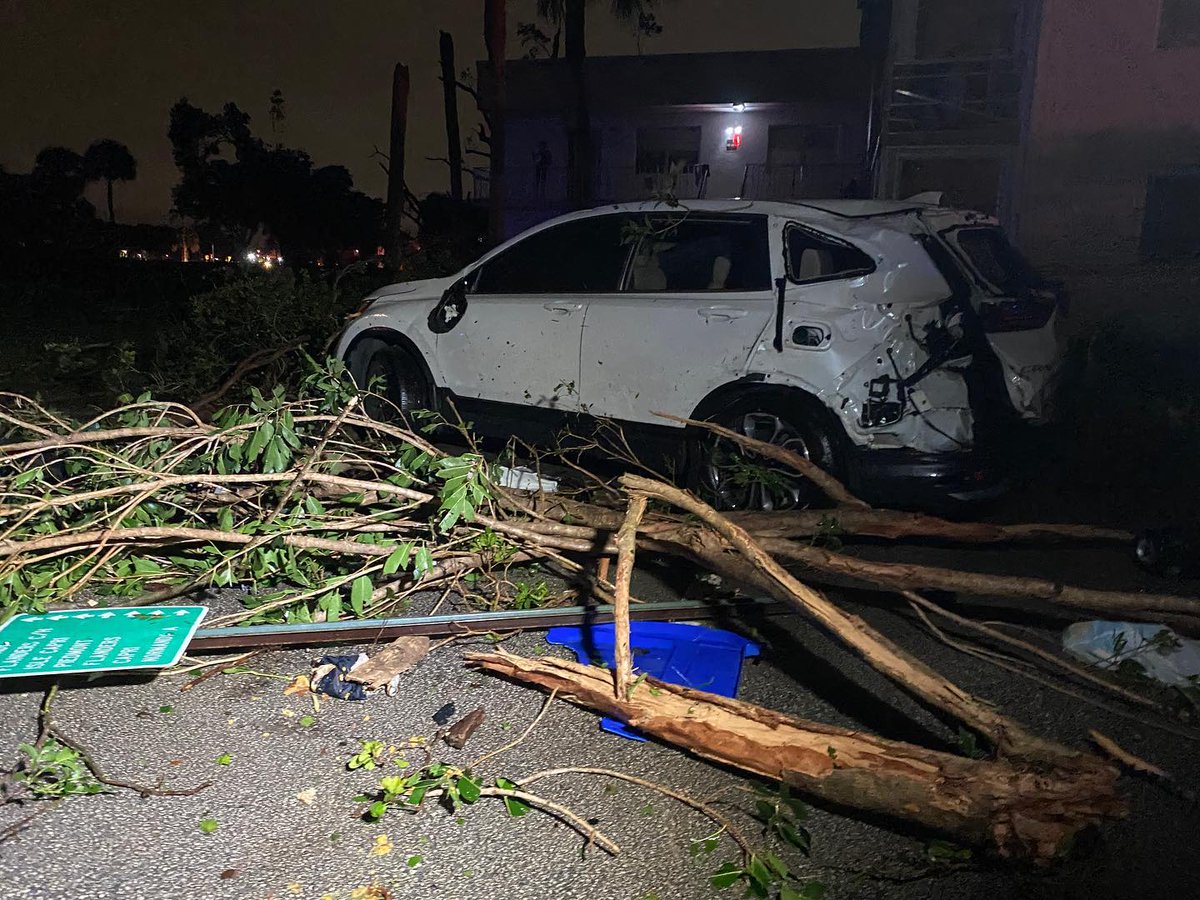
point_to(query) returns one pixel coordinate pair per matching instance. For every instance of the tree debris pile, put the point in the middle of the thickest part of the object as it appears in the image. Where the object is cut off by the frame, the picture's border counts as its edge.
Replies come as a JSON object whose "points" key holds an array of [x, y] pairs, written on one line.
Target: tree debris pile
{"points": [[330, 509]]}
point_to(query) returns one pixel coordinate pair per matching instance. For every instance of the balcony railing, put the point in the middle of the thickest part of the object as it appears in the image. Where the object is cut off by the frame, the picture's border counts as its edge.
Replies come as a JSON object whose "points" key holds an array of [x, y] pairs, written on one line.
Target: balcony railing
{"points": [[802, 182], [529, 188], [954, 95]]}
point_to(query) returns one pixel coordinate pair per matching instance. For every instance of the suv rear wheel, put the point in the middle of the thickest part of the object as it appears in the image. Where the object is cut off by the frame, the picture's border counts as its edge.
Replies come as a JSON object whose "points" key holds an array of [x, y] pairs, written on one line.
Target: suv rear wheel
{"points": [[730, 477]]}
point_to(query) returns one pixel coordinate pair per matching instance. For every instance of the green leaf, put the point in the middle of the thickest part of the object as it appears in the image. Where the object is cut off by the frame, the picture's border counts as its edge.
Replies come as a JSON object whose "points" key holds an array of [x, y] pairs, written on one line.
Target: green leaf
{"points": [[726, 876], [259, 440], [422, 561], [413, 861], [208, 826], [25, 477], [778, 866], [398, 559], [758, 871], [225, 519], [794, 835], [224, 759], [360, 594], [376, 810], [307, 721], [943, 851], [469, 789], [764, 811], [813, 890], [165, 710]]}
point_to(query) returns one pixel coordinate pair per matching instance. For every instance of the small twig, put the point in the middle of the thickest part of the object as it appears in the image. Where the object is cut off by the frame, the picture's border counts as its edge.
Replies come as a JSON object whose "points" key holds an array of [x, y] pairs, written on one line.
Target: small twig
{"points": [[699, 805], [47, 730], [541, 713], [215, 669], [591, 832], [21, 824]]}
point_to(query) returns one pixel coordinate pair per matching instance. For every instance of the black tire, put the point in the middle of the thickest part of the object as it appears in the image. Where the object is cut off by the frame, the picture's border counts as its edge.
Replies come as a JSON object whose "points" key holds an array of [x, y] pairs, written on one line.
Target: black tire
{"points": [[398, 384], [731, 478]]}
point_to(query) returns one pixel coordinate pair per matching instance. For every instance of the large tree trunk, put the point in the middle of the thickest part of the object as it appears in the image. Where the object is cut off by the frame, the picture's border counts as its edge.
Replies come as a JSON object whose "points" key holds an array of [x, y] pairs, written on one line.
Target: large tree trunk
{"points": [[757, 567], [397, 195], [1020, 812], [495, 36], [450, 100], [579, 119]]}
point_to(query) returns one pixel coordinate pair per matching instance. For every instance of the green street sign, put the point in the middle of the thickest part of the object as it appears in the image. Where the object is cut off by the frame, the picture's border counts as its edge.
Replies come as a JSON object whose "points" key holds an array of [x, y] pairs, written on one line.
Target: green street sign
{"points": [[96, 640]]}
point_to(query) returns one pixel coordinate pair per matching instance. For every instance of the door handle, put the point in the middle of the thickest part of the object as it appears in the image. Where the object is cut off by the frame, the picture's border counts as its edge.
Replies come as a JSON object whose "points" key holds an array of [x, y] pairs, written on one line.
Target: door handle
{"points": [[720, 314], [562, 307]]}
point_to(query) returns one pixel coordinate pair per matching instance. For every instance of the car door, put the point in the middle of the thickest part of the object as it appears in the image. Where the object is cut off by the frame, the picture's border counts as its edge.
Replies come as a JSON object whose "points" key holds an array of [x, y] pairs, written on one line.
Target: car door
{"points": [[697, 298], [518, 340]]}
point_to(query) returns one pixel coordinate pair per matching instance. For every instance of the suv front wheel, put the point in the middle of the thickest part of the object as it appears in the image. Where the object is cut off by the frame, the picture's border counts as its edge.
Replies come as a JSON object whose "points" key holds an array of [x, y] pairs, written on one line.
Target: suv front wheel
{"points": [[732, 478], [397, 382]]}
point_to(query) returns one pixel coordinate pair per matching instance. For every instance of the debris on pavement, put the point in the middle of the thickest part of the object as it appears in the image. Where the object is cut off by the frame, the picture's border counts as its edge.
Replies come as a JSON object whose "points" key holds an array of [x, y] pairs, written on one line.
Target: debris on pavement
{"points": [[524, 479], [460, 732], [445, 714], [1157, 650], [330, 673], [385, 667]]}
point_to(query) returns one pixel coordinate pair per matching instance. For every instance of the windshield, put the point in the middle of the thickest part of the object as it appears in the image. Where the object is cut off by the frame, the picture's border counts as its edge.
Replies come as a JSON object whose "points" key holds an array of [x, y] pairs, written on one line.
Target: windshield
{"points": [[996, 260]]}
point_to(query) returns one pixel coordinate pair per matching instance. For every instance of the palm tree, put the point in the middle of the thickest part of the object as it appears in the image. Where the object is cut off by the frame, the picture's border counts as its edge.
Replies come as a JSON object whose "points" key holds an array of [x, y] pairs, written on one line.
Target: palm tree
{"points": [[571, 15], [108, 160]]}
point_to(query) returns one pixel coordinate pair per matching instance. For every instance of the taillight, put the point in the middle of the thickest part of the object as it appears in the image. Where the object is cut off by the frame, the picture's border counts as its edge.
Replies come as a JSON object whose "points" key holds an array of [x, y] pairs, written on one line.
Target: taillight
{"points": [[1024, 314]]}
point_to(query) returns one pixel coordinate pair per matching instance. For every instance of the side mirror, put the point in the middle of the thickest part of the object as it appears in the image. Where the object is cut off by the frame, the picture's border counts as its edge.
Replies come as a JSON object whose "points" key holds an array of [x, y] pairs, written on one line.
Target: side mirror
{"points": [[450, 309]]}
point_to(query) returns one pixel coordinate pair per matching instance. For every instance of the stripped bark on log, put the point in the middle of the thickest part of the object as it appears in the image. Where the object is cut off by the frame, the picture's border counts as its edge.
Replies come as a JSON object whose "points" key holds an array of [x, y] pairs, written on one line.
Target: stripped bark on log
{"points": [[1021, 811]]}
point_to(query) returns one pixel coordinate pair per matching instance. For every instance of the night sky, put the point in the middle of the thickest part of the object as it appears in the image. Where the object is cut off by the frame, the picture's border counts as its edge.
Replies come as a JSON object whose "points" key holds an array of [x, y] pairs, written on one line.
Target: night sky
{"points": [[72, 71]]}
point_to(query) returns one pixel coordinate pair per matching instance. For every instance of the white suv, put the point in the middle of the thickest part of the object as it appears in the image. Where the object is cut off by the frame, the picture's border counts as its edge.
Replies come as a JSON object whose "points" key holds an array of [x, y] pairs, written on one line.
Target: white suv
{"points": [[894, 343]]}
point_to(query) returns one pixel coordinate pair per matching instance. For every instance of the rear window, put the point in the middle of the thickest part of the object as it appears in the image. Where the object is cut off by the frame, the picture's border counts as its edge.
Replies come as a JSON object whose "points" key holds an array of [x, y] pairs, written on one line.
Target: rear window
{"points": [[996, 260], [812, 256]]}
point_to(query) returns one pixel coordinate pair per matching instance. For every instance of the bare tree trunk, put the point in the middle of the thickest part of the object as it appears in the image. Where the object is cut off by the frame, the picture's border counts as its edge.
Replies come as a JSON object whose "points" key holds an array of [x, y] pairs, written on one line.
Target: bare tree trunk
{"points": [[579, 128], [1020, 812], [112, 217], [397, 195], [450, 99], [495, 36], [908, 576]]}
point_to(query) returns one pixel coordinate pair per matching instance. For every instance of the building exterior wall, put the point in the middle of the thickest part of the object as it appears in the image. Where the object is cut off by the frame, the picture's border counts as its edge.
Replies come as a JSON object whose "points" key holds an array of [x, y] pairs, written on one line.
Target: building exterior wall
{"points": [[1111, 110], [731, 173]]}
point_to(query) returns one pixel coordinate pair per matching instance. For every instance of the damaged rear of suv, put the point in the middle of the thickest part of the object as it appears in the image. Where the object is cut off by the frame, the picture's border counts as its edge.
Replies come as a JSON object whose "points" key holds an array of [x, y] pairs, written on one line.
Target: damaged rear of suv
{"points": [[899, 345]]}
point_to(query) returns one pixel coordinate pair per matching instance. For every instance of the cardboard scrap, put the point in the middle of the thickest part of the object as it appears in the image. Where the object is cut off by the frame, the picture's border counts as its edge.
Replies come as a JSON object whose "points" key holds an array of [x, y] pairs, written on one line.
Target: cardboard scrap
{"points": [[382, 669]]}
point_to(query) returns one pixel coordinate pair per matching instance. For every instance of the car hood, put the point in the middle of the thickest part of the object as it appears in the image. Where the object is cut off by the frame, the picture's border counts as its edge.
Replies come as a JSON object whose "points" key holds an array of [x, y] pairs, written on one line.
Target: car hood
{"points": [[411, 290]]}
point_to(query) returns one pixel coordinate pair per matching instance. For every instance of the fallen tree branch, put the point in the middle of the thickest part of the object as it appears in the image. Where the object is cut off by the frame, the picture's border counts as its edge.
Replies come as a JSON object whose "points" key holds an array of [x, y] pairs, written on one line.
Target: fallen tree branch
{"points": [[699, 805], [829, 485], [1018, 811], [910, 673], [910, 576], [626, 547]]}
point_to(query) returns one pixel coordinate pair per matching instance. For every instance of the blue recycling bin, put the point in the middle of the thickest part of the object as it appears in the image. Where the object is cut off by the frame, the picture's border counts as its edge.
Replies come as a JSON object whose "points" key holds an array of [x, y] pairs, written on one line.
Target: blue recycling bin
{"points": [[707, 659]]}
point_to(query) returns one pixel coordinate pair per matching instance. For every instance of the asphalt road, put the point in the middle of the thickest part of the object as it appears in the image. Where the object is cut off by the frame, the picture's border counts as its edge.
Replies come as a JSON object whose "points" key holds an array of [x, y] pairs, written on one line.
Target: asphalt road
{"points": [[270, 843]]}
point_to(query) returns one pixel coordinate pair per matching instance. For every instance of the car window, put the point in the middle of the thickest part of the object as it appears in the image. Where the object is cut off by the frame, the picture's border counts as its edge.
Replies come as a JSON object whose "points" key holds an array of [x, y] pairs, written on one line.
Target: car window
{"points": [[812, 256], [996, 259], [578, 257], [685, 254]]}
